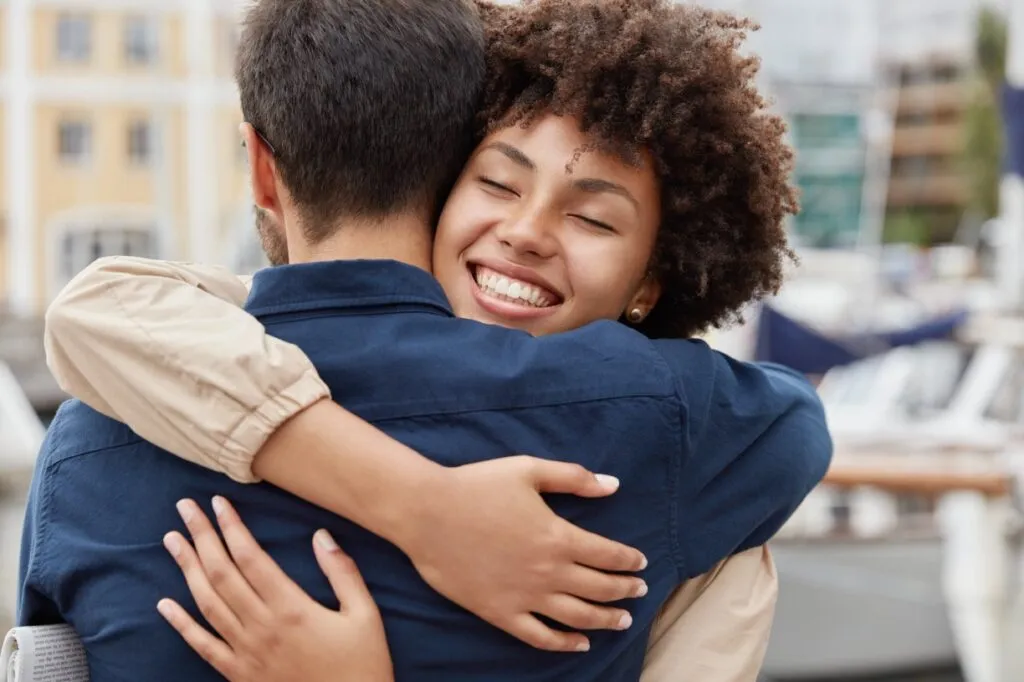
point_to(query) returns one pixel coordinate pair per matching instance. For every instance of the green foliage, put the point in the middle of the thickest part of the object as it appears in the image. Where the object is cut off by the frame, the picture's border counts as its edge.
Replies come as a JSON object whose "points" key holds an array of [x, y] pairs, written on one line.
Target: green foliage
{"points": [[907, 227], [983, 126]]}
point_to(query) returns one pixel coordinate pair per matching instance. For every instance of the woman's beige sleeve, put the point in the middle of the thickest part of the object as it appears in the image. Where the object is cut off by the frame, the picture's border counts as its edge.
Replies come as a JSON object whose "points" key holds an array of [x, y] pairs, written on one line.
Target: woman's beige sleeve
{"points": [[715, 627], [167, 349]]}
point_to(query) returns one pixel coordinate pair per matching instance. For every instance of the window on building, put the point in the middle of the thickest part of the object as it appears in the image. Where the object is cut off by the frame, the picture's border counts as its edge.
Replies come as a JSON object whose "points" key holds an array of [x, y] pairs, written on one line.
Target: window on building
{"points": [[946, 73], [140, 143], [81, 246], [74, 38], [74, 145], [140, 40]]}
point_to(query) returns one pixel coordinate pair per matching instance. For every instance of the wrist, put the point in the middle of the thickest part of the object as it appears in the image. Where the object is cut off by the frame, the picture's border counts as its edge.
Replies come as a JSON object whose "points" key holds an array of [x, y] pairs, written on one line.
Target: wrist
{"points": [[411, 501]]}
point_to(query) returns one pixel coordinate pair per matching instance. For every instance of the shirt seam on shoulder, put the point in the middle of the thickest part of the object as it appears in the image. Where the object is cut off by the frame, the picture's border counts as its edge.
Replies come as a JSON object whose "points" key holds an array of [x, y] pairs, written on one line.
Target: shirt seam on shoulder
{"points": [[674, 467], [677, 535], [92, 451], [507, 407], [41, 547]]}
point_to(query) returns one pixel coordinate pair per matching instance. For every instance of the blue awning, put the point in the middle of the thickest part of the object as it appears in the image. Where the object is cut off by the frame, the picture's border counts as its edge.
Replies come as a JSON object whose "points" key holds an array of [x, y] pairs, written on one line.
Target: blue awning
{"points": [[783, 340]]}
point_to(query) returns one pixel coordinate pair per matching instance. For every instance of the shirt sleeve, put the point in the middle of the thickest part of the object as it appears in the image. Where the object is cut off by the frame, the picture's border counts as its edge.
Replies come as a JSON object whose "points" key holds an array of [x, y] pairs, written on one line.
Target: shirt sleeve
{"points": [[715, 627], [167, 349], [755, 442]]}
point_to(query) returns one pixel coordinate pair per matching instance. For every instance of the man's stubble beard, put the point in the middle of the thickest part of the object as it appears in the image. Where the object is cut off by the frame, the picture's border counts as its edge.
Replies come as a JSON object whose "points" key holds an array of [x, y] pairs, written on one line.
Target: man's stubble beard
{"points": [[275, 246]]}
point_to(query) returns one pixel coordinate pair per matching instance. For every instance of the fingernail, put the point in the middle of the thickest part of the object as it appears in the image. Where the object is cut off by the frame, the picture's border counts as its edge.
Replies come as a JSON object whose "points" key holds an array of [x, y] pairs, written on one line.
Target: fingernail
{"points": [[625, 621], [643, 562], [583, 646], [164, 607], [326, 542], [172, 544], [607, 481], [641, 590], [219, 506], [186, 510]]}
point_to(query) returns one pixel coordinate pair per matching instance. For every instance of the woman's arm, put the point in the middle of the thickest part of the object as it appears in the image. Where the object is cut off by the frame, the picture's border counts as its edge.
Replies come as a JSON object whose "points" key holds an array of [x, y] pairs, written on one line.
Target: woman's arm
{"points": [[166, 348], [715, 627]]}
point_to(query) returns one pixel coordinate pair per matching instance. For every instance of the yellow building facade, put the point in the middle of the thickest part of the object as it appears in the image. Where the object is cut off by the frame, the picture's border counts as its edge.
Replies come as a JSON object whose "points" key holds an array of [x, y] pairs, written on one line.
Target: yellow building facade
{"points": [[119, 122]]}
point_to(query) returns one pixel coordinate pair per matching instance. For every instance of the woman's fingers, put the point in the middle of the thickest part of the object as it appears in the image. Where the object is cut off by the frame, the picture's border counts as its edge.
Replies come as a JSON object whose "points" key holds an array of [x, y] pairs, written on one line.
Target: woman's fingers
{"points": [[219, 573], [213, 651], [531, 630], [216, 612], [343, 575], [581, 615], [598, 586], [257, 567]]}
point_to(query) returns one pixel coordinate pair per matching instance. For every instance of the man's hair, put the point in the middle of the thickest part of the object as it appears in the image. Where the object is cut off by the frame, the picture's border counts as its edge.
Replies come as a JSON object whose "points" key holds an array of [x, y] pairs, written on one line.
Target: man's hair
{"points": [[668, 78], [367, 104]]}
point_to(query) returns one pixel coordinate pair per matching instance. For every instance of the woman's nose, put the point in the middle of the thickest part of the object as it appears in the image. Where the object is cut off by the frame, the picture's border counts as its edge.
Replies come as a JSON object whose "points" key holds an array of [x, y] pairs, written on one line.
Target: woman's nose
{"points": [[527, 236]]}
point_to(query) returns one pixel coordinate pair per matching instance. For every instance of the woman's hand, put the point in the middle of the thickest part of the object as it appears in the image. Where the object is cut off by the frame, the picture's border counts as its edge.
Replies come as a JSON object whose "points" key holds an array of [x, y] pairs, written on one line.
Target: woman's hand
{"points": [[272, 631]]}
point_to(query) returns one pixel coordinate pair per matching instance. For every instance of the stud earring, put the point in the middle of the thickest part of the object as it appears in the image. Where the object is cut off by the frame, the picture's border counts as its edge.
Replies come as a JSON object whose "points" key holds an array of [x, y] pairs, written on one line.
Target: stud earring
{"points": [[635, 316]]}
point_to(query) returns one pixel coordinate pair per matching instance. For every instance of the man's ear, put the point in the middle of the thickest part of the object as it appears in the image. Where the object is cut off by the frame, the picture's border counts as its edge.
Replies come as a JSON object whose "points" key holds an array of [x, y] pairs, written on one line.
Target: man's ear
{"points": [[262, 172]]}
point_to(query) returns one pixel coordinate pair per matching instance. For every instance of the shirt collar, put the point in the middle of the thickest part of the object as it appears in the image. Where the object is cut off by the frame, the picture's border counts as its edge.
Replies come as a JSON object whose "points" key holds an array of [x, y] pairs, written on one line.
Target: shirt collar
{"points": [[345, 284]]}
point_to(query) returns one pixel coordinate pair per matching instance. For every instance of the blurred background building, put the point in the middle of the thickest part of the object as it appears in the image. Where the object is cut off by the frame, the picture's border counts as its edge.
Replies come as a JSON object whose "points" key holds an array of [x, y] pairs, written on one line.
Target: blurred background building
{"points": [[118, 123], [879, 96]]}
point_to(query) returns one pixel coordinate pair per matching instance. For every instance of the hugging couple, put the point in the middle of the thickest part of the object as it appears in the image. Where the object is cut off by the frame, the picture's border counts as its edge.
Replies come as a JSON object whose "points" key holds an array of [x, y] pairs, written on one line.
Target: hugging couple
{"points": [[463, 417]]}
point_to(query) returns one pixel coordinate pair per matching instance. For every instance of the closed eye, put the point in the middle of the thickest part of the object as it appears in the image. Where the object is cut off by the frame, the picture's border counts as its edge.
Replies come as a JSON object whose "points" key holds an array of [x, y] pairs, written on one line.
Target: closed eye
{"points": [[595, 223], [497, 186]]}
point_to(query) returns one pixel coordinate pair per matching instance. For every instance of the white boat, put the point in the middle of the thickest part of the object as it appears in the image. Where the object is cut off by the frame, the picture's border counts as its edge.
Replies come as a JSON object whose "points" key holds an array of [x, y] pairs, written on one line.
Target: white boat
{"points": [[864, 581]]}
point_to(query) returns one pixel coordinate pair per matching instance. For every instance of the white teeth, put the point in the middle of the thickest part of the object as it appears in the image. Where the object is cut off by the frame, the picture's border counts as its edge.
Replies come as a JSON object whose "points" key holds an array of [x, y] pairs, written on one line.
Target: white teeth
{"points": [[521, 292]]}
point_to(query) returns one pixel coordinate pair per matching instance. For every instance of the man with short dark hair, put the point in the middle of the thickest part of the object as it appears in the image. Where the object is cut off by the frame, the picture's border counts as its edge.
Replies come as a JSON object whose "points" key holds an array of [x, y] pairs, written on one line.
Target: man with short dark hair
{"points": [[394, 95]]}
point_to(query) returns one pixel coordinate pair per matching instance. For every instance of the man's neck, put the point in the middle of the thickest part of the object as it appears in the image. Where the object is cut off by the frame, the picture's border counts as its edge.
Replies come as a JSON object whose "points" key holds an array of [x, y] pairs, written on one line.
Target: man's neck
{"points": [[404, 238]]}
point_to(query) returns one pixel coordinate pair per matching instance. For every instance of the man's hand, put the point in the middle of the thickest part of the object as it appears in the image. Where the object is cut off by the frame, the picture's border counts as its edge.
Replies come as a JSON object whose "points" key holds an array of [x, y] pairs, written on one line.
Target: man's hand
{"points": [[484, 537]]}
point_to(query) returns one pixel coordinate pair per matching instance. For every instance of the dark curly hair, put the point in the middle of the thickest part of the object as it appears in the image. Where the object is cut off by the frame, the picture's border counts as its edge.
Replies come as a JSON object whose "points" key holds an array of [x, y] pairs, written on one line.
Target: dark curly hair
{"points": [[668, 78]]}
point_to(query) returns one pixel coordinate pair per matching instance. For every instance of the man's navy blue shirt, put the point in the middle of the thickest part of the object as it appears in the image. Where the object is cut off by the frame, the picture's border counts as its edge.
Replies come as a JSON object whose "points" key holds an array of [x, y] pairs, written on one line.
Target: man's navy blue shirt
{"points": [[713, 456]]}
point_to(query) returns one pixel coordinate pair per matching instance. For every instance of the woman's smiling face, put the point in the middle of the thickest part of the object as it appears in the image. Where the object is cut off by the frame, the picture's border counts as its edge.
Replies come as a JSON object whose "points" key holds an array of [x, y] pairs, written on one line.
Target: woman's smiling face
{"points": [[526, 242]]}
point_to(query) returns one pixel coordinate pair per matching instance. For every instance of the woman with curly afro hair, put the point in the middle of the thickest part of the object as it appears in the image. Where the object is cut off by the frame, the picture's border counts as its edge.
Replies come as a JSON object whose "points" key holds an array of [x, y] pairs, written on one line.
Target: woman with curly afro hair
{"points": [[626, 169], [661, 88]]}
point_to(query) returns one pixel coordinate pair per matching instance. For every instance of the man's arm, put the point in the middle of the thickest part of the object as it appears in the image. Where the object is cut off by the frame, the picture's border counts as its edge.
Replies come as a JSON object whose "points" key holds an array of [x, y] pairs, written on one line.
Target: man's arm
{"points": [[755, 443], [165, 348], [715, 627]]}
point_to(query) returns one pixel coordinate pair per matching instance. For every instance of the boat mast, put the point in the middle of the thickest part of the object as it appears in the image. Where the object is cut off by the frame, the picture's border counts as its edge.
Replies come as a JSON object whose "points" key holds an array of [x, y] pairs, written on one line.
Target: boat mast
{"points": [[1011, 192]]}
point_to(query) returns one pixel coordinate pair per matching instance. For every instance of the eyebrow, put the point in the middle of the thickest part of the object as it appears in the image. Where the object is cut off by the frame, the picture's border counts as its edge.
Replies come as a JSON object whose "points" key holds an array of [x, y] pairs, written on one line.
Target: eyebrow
{"points": [[590, 185], [595, 185], [513, 154]]}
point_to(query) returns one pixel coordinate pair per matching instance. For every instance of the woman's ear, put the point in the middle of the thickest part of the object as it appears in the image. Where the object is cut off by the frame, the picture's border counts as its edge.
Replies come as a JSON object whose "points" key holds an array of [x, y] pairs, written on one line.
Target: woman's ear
{"points": [[644, 300]]}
